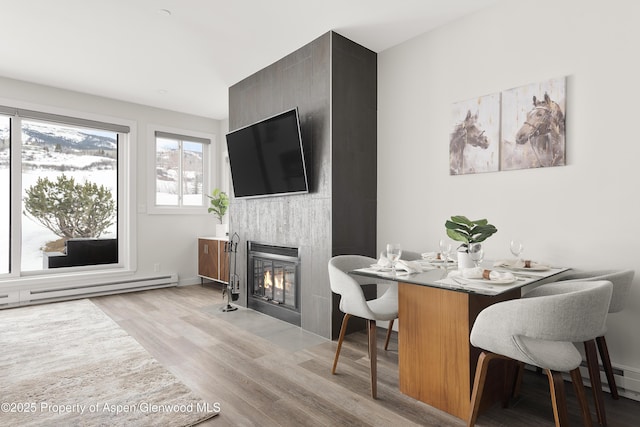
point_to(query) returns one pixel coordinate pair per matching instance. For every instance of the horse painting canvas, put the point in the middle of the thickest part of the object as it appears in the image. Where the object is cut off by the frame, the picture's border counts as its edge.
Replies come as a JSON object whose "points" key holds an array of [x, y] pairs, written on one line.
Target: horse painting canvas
{"points": [[533, 126], [474, 140]]}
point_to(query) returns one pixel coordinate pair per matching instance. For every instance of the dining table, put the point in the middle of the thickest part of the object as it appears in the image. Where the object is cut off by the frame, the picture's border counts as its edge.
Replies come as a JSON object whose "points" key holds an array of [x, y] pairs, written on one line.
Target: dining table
{"points": [[437, 306]]}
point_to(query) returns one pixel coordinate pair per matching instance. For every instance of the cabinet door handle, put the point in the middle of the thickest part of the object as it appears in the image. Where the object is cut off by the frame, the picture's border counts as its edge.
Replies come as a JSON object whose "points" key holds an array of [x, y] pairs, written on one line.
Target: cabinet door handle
{"points": [[206, 248]]}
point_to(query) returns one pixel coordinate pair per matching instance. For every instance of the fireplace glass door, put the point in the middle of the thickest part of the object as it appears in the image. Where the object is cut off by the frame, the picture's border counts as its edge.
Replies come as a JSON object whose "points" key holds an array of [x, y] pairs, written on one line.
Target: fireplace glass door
{"points": [[273, 281]]}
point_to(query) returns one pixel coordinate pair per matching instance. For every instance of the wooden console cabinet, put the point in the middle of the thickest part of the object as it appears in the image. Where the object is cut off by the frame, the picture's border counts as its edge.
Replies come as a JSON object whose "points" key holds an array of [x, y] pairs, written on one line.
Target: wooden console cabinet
{"points": [[213, 261]]}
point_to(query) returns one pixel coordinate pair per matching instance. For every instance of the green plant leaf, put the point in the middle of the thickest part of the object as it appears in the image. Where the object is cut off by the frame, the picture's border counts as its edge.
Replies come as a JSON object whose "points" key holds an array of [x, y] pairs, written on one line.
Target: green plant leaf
{"points": [[219, 203], [480, 234], [461, 229], [451, 225], [455, 226], [484, 229], [459, 237], [461, 219]]}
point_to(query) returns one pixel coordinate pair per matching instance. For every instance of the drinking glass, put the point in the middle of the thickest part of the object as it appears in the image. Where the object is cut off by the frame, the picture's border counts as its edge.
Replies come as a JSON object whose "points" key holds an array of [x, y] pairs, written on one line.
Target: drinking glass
{"points": [[476, 253], [516, 247], [445, 251], [394, 250]]}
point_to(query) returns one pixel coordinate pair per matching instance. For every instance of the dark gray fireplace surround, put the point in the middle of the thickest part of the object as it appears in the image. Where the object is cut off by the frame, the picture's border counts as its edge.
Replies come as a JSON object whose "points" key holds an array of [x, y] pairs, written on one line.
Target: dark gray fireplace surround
{"points": [[333, 82]]}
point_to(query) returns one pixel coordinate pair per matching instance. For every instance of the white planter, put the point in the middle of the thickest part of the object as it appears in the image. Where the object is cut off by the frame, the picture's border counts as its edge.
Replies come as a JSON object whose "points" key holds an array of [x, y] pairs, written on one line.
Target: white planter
{"points": [[465, 261], [222, 230]]}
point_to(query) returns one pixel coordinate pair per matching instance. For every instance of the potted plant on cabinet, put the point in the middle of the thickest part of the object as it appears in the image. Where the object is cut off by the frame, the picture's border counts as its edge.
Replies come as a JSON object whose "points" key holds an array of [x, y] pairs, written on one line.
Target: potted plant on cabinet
{"points": [[462, 229], [219, 205]]}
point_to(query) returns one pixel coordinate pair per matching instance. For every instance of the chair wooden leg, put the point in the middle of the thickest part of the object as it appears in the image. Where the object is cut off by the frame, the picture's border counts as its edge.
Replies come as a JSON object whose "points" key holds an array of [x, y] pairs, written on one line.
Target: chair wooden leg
{"points": [[576, 378], [517, 384], [511, 371], [478, 384], [386, 341], [373, 357], [596, 384], [606, 363], [558, 398], [343, 330]]}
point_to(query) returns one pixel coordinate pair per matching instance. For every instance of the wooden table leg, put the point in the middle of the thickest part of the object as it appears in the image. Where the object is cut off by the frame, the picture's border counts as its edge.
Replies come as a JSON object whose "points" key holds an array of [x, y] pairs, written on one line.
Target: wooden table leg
{"points": [[436, 361]]}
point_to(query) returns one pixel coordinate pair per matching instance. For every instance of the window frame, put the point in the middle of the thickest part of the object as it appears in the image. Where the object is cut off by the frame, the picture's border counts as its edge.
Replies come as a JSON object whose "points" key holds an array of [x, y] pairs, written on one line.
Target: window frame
{"points": [[208, 156], [126, 228]]}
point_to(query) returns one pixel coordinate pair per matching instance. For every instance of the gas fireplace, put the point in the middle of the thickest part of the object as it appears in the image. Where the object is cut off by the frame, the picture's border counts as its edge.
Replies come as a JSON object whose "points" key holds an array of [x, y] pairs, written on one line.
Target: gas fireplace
{"points": [[273, 280]]}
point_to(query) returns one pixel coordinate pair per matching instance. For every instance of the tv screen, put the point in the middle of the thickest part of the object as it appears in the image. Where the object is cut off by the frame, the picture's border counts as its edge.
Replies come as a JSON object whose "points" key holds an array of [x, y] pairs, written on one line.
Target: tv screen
{"points": [[267, 157]]}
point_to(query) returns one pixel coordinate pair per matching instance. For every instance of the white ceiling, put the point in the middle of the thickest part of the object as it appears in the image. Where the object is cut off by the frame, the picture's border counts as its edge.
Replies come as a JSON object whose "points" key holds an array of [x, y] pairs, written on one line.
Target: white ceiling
{"points": [[186, 59]]}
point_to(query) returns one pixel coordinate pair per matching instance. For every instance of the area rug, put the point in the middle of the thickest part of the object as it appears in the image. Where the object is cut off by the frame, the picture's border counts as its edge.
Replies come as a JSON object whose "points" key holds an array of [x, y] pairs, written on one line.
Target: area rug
{"points": [[69, 364]]}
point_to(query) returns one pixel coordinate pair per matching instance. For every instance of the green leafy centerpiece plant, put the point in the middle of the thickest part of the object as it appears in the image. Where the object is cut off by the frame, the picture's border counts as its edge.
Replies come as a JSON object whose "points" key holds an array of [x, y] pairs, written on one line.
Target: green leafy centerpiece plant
{"points": [[462, 229]]}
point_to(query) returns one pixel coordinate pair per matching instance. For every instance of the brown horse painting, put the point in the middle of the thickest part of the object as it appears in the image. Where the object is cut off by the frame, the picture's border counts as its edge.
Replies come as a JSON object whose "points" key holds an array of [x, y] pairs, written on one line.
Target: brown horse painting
{"points": [[544, 130], [465, 133]]}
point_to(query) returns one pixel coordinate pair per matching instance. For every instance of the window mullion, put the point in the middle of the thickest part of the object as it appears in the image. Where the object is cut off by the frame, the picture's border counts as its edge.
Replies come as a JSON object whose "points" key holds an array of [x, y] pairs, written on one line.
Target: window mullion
{"points": [[16, 196], [181, 181]]}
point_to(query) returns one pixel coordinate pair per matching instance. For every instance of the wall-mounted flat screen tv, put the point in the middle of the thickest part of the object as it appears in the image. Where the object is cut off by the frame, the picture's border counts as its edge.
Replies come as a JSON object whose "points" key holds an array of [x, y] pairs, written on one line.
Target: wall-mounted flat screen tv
{"points": [[267, 157]]}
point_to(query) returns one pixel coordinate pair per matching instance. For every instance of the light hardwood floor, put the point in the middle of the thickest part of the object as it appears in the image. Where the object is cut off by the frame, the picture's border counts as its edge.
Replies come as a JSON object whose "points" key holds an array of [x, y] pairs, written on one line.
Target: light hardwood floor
{"points": [[264, 372]]}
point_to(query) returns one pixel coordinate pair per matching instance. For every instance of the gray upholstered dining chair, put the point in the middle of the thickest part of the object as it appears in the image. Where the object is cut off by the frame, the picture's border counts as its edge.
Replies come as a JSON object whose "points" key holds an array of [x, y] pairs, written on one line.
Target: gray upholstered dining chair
{"points": [[410, 255], [540, 331], [353, 303], [621, 280]]}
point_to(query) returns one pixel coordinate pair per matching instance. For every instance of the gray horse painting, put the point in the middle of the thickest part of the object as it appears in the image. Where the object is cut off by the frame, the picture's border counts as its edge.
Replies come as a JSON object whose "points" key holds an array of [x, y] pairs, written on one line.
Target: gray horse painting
{"points": [[474, 140], [533, 126], [465, 133], [544, 131]]}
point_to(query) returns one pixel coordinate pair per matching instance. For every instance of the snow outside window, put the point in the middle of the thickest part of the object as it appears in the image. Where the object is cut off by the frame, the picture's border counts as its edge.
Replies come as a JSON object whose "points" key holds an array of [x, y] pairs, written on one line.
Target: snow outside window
{"points": [[181, 172]]}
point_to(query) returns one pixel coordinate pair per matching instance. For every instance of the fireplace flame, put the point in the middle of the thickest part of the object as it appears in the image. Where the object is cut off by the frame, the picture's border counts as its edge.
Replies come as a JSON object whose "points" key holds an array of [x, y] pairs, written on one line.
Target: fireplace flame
{"points": [[267, 280]]}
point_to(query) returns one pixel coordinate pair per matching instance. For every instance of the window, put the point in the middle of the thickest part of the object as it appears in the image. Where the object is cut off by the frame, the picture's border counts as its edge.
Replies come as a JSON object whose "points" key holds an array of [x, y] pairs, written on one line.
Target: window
{"points": [[61, 192], [181, 172], [5, 194]]}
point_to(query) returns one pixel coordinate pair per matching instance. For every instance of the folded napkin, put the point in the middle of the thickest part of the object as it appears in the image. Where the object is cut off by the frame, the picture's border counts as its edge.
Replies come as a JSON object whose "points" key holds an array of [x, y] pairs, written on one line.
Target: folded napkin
{"points": [[408, 266], [519, 263], [482, 273], [401, 264], [383, 261]]}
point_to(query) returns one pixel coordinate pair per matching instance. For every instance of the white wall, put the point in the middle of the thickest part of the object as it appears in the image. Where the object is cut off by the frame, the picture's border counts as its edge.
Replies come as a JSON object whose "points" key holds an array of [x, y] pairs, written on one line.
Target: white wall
{"points": [[169, 240], [580, 215]]}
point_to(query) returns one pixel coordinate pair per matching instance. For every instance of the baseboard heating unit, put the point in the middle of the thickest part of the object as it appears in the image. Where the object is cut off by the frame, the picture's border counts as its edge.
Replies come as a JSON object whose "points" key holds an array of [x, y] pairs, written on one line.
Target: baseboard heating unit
{"points": [[627, 380], [86, 289]]}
